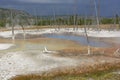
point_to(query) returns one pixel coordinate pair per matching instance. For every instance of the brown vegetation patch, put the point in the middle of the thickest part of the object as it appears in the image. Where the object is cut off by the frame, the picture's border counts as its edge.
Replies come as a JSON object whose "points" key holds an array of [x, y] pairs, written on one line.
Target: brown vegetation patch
{"points": [[69, 71], [82, 51], [5, 41]]}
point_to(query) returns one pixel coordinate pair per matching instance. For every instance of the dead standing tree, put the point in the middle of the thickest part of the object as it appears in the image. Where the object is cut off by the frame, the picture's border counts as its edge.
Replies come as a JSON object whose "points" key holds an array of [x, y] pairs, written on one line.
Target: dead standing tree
{"points": [[88, 42], [23, 21], [75, 15], [96, 14], [12, 24]]}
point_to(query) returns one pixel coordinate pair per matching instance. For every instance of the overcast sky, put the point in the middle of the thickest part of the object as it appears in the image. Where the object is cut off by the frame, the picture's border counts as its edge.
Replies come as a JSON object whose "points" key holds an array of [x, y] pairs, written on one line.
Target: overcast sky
{"points": [[46, 7], [47, 1]]}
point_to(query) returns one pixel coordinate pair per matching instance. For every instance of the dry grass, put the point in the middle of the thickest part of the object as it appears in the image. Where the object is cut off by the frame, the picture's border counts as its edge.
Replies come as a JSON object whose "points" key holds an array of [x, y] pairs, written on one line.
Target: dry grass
{"points": [[69, 73], [73, 71], [82, 51], [5, 40]]}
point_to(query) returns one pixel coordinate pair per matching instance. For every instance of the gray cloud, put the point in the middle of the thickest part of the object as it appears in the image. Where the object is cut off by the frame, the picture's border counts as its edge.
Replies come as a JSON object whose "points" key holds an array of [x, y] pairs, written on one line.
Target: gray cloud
{"points": [[47, 1], [45, 7]]}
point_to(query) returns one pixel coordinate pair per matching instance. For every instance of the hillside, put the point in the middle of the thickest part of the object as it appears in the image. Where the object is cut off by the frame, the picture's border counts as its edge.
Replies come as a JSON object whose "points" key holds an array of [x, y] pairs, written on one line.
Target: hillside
{"points": [[7, 15], [6, 12]]}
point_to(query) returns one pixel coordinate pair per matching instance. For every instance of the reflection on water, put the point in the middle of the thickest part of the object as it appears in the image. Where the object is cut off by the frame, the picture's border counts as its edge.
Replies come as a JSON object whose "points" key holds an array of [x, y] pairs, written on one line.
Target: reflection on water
{"points": [[81, 39]]}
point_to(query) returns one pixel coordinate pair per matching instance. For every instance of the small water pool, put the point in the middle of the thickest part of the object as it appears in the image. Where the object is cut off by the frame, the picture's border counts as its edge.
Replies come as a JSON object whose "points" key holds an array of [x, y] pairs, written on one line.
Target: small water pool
{"points": [[81, 39]]}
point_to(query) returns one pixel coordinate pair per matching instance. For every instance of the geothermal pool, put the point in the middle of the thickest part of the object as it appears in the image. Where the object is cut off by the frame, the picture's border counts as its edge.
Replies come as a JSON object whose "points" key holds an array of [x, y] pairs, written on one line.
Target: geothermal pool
{"points": [[80, 39], [26, 55]]}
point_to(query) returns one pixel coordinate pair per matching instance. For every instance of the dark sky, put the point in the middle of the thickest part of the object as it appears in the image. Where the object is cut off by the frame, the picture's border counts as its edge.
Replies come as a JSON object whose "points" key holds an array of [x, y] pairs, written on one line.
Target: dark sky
{"points": [[47, 7]]}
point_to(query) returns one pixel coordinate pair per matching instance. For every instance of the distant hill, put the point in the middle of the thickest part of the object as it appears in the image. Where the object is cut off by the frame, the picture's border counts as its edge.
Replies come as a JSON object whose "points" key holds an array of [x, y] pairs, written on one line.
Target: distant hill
{"points": [[13, 16], [4, 13]]}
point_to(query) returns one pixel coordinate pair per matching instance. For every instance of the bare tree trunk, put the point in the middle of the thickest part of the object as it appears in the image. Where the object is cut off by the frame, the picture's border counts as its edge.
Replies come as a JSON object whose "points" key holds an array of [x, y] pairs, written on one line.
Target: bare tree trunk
{"points": [[75, 15], [89, 52], [36, 19], [96, 12], [12, 24], [87, 38], [13, 35], [24, 34]]}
